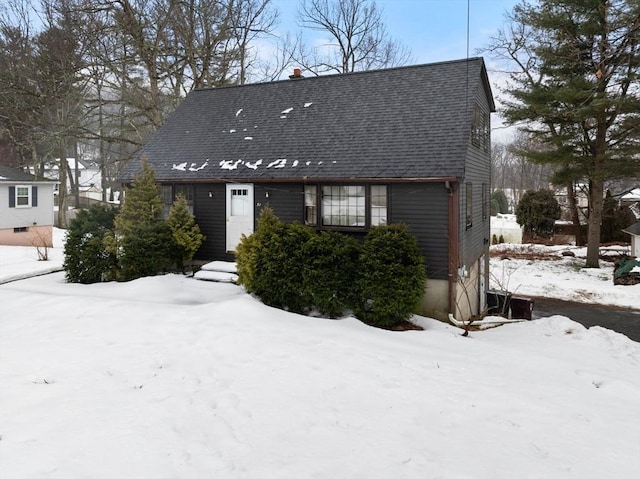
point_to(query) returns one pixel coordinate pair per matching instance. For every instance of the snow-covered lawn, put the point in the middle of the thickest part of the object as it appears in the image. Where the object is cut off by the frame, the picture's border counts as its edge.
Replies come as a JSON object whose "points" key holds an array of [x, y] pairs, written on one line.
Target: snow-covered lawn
{"points": [[560, 277], [170, 377]]}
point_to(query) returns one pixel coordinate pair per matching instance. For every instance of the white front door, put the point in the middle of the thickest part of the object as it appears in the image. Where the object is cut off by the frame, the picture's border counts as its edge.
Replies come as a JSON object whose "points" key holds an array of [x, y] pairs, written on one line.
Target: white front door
{"points": [[239, 213]]}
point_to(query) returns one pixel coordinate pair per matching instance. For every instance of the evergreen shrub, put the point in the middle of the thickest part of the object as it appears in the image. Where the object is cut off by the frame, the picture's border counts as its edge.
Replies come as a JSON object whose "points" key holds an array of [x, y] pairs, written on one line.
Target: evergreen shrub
{"points": [[144, 240], [146, 250], [187, 237], [87, 257], [330, 272], [391, 277], [270, 262], [537, 211]]}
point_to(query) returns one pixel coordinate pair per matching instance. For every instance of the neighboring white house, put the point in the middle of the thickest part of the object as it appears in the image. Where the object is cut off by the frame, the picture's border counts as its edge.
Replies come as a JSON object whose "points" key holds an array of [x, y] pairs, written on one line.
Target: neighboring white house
{"points": [[26, 209], [89, 176], [632, 200], [634, 231], [505, 225]]}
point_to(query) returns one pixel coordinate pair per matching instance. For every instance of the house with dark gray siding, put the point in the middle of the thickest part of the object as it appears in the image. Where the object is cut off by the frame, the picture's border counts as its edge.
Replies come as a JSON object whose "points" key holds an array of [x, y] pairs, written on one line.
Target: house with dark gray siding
{"points": [[343, 153]]}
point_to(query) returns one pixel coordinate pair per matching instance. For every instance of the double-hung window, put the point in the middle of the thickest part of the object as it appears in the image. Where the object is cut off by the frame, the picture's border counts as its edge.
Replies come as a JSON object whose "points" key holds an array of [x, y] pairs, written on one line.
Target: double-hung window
{"points": [[345, 206], [23, 196], [171, 192]]}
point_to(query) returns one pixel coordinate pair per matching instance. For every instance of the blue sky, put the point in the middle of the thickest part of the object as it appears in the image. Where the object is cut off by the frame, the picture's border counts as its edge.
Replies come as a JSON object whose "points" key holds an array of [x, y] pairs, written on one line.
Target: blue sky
{"points": [[434, 30]]}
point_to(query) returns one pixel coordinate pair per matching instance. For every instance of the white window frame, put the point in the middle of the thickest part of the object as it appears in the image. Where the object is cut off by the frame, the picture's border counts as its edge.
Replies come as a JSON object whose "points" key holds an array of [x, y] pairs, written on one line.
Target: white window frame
{"points": [[18, 196]]}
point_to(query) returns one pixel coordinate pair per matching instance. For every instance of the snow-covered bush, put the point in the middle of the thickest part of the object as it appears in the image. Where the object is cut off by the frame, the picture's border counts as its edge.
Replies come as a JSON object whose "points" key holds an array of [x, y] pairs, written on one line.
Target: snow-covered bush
{"points": [[391, 276]]}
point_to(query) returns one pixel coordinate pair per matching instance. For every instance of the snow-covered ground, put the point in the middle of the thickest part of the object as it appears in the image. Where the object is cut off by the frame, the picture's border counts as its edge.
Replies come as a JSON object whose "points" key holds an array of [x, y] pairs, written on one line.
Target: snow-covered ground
{"points": [[170, 377], [560, 277]]}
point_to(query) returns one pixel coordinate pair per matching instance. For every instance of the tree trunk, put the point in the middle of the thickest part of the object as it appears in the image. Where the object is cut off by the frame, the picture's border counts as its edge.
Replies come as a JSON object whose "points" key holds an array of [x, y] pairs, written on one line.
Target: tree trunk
{"points": [[575, 216], [62, 189], [596, 203]]}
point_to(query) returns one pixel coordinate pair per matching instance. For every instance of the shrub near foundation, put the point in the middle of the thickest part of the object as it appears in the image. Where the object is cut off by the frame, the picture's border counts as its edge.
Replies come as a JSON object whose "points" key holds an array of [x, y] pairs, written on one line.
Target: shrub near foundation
{"points": [[391, 276], [87, 257], [330, 272], [271, 263]]}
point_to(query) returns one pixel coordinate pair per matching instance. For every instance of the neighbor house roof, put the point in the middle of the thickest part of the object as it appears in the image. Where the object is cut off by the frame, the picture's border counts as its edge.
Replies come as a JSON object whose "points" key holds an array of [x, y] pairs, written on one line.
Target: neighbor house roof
{"points": [[9, 174], [408, 122], [634, 229]]}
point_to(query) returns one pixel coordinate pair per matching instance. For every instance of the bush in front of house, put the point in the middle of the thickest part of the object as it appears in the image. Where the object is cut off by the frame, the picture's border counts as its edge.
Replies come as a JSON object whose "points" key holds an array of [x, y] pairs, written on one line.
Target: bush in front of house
{"points": [[391, 276], [144, 240], [330, 272], [146, 250], [270, 262], [87, 256], [251, 254], [185, 232]]}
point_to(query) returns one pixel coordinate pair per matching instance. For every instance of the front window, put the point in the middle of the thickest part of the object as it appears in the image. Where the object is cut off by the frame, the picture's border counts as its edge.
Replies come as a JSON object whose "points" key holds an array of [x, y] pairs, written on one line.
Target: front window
{"points": [[378, 205], [345, 206], [23, 196], [311, 205]]}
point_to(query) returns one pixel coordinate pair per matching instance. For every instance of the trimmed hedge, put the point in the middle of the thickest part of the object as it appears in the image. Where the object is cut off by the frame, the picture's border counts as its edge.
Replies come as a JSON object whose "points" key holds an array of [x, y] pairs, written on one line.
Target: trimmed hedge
{"points": [[289, 266], [391, 276], [330, 272], [270, 262]]}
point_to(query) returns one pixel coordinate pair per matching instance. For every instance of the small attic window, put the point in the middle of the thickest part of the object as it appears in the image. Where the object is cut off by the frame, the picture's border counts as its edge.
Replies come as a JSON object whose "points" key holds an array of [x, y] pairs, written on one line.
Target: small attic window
{"points": [[480, 132]]}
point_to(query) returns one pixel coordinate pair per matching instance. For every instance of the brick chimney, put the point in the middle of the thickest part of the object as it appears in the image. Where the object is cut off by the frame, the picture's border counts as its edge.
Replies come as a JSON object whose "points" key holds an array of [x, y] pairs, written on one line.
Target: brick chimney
{"points": [[296, 74]]}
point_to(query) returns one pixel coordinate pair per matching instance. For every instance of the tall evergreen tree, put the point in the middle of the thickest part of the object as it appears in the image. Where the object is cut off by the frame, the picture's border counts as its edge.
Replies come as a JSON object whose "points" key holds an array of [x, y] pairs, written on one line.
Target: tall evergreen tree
{"points": [[144, 238], [576, 89]]}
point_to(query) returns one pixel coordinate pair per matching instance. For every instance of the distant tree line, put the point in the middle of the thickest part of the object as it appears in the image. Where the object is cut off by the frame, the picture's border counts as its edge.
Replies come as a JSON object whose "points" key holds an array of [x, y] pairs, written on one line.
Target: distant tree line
{"points": [[103, 75]]}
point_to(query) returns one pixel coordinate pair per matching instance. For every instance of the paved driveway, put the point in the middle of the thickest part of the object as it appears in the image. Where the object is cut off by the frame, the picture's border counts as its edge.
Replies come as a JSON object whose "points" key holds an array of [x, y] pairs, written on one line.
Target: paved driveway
{"points": [[622, 320]]}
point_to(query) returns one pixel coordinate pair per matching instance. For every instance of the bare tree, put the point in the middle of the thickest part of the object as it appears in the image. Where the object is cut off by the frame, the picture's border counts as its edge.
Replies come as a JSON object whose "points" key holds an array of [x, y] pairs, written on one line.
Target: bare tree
{"points": [[358, 39], [250, 19]]}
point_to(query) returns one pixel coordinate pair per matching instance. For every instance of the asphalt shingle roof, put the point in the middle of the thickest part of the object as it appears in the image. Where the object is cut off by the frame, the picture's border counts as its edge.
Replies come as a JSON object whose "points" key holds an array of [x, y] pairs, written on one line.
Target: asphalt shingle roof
{"points": [[408, 122], [14, 174]]}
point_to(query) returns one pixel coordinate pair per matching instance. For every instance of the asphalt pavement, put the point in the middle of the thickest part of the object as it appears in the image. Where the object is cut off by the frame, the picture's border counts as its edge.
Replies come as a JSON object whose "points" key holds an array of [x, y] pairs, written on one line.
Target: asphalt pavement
{"points": [[621, 320]]}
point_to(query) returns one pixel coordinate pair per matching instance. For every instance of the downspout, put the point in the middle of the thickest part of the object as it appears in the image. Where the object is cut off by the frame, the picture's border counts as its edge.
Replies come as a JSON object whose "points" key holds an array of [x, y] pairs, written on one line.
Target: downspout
{"points": [[454, 221]]}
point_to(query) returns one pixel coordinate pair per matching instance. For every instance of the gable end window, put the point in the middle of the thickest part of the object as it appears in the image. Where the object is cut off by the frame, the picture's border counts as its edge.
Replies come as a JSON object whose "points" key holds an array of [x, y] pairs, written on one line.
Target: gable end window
{"points": [[480, 134], [469, 205], [345, 206], [23, 196], [485, 201]]}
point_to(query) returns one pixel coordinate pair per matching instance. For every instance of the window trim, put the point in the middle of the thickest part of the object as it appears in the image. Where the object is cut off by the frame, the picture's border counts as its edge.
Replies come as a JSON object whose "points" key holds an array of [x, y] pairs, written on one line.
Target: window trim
{"points": [[319, 212], [468, 205], [485, 201], [480, 129], [29, 196]]}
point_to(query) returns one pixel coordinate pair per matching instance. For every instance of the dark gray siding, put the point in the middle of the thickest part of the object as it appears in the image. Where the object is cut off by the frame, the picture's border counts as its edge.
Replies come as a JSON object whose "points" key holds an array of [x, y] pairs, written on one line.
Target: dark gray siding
{"points": [[210, 213], [286, 200], [424, 208], [475, 240]]}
